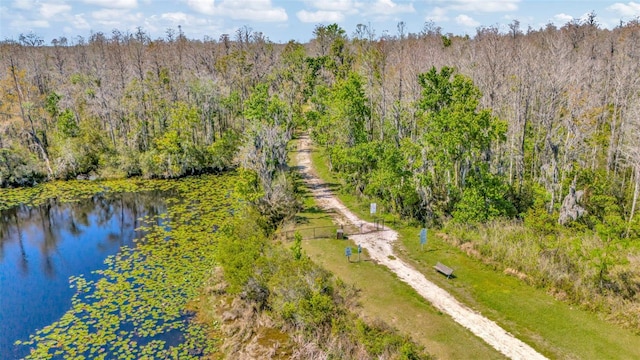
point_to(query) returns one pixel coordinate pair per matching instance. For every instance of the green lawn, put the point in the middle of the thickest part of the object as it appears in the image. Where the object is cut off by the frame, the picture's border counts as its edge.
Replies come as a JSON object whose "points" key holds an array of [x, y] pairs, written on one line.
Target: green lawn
{"points": [[554, 328]]}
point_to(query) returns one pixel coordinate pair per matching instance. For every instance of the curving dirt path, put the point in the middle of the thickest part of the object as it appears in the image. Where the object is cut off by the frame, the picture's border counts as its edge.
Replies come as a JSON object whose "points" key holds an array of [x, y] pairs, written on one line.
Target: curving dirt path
{"points": [[379, 246]]}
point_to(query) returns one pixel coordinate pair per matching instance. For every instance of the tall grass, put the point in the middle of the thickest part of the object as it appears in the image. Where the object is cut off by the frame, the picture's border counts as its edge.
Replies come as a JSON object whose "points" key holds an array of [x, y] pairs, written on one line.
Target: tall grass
{"points": [[569, 265]]}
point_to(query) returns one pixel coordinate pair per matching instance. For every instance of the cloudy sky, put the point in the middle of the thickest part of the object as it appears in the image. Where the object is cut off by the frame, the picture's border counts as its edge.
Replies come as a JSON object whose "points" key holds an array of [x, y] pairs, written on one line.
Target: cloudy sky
{"points": [[284, 20]]}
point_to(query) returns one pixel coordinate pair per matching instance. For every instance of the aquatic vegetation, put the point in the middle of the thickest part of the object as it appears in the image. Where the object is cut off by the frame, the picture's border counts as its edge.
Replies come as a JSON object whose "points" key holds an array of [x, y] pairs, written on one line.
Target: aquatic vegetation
{"points": [[137, 308], [74, 190]]}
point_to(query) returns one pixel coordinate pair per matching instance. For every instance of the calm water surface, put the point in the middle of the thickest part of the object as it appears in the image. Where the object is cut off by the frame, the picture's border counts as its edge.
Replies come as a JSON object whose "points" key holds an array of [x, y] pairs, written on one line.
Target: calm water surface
{"points": [[40, 247]]}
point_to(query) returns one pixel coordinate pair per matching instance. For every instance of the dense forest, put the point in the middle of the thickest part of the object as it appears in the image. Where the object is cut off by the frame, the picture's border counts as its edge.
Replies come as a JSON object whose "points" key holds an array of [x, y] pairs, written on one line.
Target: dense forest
{"points": [[535, 132]]}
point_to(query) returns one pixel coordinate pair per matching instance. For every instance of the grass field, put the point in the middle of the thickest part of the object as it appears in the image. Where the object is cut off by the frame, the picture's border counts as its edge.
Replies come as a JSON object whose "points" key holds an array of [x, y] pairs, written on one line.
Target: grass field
{"points": [[383, 296], [554, 328]]}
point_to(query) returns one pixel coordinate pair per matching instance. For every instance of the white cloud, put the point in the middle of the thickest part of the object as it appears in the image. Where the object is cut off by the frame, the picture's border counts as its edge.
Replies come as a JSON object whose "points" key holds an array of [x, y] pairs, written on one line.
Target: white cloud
{"points": [[175, 17], [117, 18], [584, 17], [438, 14], [630, 9], [562, 18], [253, 10], [107, 14], [29, 24], [337, 10], [388, 7], [335, 5], [320, 16], [443, 7], [466, 20], [79, 22], [114, 4], [192, 25], [482, 5], [206, 7], [22, 4], [50, 10]]}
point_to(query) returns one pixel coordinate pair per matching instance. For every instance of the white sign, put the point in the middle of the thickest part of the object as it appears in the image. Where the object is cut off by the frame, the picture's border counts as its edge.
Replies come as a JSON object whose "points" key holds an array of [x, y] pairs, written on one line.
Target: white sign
{"points": [[372, 208]]}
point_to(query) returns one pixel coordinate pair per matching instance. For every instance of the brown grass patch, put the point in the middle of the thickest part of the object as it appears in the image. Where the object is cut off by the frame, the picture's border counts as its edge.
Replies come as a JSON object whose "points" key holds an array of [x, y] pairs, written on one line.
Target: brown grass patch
{"points": [[249, 334], [559, 294], [470, 250], [519, 274]]}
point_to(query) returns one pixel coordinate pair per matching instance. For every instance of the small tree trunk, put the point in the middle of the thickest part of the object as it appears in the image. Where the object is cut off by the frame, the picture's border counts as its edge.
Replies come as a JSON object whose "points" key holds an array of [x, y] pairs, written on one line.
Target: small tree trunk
{"points": [[635, 198], [27, 120]]}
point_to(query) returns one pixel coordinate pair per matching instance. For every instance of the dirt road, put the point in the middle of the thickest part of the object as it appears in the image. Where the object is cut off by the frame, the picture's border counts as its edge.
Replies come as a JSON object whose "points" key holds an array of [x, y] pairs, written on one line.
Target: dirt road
{"points": [[380, 247]]}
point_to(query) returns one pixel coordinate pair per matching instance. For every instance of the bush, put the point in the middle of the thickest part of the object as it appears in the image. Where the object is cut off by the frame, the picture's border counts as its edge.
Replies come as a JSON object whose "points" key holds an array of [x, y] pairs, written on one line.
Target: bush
{"points": [[306, 300], [240, 248], [484, 199], [538, 217], [19, 169]]}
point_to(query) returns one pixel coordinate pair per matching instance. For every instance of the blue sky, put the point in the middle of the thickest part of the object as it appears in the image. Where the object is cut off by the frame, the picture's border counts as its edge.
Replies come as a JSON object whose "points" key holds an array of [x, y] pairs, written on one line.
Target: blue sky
{"points": [[284, 20]]}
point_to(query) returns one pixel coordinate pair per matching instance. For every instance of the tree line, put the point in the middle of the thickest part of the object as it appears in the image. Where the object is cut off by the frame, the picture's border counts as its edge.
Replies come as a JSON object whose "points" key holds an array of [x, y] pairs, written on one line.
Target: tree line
{"points": [[548, 109]]}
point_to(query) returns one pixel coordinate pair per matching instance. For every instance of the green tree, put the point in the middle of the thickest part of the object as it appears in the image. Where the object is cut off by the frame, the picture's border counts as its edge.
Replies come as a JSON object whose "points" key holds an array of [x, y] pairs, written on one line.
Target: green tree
{"points": [[485, 198], [392, 181], [343, 113], [260, 107], [289, 80], [297, 246], [176, 151], [67, 125], [241, 245], [458, 137]]}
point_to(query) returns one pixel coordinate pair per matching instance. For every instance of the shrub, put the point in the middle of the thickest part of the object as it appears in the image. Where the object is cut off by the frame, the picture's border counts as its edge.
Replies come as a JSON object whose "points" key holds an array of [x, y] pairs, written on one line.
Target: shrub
{"points": [[18, 168], [306, 300]]}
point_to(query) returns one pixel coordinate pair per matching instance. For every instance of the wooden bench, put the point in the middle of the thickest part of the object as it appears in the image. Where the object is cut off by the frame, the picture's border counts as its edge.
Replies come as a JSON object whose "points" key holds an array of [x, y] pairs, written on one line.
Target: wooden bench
{"points": [[444, 269]]}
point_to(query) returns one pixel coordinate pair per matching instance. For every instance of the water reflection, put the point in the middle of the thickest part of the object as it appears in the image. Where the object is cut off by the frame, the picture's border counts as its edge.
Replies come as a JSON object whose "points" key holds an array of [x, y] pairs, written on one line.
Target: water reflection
{"points": [[40, 247]]}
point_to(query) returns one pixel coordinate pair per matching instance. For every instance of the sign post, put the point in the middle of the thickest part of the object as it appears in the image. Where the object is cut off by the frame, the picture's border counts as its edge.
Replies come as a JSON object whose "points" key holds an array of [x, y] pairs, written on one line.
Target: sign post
{"points": [[347, 252], [423, 238]]}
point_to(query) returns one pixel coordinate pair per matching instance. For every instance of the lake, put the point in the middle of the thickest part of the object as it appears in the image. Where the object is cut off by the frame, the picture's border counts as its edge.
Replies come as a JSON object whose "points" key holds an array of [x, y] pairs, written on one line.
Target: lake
{"points": [[42, 246]]}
